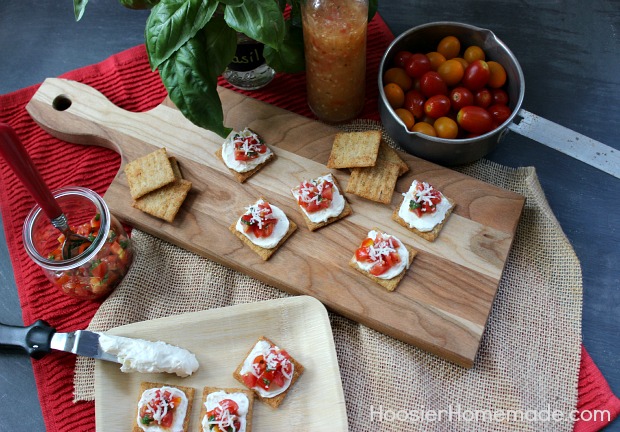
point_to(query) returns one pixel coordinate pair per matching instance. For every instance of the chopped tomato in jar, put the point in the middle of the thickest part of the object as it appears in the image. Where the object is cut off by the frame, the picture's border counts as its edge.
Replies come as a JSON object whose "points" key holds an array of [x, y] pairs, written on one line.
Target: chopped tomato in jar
{"points": [[315, 196], [425, 199], [271, 371], [224, 417], [160, 410], [100, 275], [259, 220], [382, 252], [248, 147]]}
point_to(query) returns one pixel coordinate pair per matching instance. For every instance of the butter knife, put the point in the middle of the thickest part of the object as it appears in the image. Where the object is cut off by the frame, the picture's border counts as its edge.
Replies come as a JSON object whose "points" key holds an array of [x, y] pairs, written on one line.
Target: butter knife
{"points": [[40, 338]]}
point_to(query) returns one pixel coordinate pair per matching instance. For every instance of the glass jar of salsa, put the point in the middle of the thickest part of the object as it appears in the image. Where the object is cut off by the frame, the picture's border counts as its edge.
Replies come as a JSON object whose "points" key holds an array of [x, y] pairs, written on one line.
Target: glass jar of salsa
{"points": [[97, 265], [335, 50]]}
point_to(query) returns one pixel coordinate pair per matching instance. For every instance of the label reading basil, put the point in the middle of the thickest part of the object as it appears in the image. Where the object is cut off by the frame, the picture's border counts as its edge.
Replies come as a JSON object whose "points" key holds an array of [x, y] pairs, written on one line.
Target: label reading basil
{"points": [[248, 57]]}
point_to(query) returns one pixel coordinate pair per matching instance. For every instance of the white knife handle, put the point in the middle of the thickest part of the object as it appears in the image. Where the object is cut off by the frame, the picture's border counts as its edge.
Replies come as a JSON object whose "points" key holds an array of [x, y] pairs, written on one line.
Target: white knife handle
{"points": [[34, 339]]}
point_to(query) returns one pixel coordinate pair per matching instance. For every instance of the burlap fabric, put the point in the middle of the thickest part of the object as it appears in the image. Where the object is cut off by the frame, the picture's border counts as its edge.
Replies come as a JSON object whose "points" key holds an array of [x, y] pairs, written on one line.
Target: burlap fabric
{"points": [[526, 371]]}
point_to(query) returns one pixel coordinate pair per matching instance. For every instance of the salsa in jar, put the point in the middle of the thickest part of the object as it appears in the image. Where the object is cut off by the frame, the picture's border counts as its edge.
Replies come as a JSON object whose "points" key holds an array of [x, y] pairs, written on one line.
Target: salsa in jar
{"points": [[98, 263], [335, 50]]}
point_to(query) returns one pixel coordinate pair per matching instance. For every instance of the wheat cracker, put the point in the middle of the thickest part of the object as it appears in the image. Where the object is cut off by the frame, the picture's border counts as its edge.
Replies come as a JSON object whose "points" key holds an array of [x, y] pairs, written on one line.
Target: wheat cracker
{"points": [[354, 149]]}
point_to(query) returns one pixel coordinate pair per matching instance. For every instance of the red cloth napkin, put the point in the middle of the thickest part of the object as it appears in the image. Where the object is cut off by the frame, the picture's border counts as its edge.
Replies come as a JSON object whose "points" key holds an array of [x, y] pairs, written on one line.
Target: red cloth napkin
{"points": [[127, 81]]}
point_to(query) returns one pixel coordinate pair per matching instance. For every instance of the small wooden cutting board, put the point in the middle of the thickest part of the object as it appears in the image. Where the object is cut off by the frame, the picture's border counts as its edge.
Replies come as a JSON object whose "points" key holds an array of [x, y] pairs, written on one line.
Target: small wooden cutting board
{"points": [[442, 304]]}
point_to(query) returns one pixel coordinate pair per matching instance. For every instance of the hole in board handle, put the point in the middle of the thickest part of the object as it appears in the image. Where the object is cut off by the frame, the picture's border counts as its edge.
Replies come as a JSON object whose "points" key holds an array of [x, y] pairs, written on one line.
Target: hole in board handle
{"points": [[61, 103]]}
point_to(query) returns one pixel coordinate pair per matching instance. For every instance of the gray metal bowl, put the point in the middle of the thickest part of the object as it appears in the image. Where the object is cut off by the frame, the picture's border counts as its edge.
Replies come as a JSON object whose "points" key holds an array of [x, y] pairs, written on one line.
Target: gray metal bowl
{"points": [[424, 38]]}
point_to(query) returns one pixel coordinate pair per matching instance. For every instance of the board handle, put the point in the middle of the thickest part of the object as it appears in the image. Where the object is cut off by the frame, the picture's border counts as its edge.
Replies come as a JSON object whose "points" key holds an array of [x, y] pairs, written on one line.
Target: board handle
{"points": [[77, 113]]}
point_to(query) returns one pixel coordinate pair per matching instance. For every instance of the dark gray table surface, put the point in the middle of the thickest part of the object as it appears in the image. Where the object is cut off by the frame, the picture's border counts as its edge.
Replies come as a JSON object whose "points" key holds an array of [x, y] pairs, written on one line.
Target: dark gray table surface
{"points": [[570, 55]]}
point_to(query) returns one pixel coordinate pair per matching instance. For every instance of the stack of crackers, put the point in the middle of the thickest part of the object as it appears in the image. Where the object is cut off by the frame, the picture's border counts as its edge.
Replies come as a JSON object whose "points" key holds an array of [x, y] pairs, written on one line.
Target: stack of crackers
{"points": [[375, 166], [156, 184]]}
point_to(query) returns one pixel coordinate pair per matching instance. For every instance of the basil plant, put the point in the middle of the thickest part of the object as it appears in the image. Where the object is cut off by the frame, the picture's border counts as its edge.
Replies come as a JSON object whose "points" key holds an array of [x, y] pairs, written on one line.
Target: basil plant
{"points": [[190, 43]]}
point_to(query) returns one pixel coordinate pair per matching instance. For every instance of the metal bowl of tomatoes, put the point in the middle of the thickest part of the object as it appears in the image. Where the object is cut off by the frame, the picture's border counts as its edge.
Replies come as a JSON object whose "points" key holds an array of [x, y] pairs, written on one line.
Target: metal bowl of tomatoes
{"points": [[457, 109]]}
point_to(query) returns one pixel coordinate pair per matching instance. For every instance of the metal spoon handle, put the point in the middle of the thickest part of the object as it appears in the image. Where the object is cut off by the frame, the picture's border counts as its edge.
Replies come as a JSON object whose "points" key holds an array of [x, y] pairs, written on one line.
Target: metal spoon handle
{"points": [[14, 152]]}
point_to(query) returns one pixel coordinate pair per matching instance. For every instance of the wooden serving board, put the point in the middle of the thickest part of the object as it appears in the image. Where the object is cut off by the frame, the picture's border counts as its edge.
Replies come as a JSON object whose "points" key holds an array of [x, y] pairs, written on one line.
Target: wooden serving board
{"points": [[442, 304]]}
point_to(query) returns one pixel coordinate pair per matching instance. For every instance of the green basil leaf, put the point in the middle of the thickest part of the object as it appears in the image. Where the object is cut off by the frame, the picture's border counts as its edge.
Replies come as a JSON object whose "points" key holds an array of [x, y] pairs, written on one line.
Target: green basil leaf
{"points": [[289, 57], [372, 8], [232, 2], [221, 44], [79, 6], [192, 85], [139, 4], [172, 23], [261, 20]]}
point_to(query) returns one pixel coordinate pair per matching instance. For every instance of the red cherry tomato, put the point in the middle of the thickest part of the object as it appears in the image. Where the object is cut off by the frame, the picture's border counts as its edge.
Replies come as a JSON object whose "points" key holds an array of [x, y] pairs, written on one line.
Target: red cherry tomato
{"points": [[484, 98], [475, 119], [499, 113], [400, 59], [476, 75], [500, 96], [461, 97], [414, 102], [437, 106], [432, 84], [417, 65]]}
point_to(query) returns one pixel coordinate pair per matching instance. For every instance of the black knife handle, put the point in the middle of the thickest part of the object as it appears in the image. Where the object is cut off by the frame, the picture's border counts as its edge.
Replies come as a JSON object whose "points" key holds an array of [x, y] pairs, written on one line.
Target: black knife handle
{"points": [[34, 339]]}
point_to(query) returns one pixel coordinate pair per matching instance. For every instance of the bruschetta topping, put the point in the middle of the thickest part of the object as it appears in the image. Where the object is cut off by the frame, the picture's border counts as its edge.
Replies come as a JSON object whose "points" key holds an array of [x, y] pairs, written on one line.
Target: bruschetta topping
{"points": [[259, 219], [382, 255], [424, 199], [248, 146], [315, 195], [225, 416], [269, 371], [159, 406], [423, 206]]}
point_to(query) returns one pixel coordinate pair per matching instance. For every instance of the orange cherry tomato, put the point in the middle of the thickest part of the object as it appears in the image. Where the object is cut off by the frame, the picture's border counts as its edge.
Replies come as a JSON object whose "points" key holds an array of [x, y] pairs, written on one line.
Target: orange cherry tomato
{"points": [[394, 94], [424, 128], [462, 61], [473, 53], [451, 71], [398, 76], [406, 116], [446, 128], [436, 59], [498, 74], [449, 47]]}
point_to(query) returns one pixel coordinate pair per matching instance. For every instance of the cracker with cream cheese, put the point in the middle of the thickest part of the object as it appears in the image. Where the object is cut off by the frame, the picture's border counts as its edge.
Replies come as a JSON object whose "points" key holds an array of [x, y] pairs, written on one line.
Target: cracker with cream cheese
{"points": [[144, 386], [248, 139], [230, 391], [274, 401], [392, 283], [312, 225], [264, 252], [428, 235]]}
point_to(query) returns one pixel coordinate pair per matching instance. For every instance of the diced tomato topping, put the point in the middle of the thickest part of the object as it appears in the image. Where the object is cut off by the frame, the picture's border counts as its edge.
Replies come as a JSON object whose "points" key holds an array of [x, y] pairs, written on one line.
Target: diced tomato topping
{"points": [[248, 148], [382, 251], [425, 199], [249, 380], [260, 220], [270, 371], [315, 196]]}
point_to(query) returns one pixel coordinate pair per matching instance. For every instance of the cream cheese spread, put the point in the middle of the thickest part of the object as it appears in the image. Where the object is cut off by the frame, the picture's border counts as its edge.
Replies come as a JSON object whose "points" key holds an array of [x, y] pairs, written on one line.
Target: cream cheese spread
{"points": [[335, 207], [137, 355], [262, 348], [279, 231], [428, 221], [162, 409], [214, 399], [228, 152], [386, 247]]}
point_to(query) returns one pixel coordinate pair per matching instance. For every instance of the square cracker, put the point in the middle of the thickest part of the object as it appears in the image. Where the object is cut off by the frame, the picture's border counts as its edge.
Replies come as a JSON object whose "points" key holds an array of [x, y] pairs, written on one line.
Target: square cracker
{"points": [[426, 235], [346, 211], [374, 183], [264, 253], [148, 173], [243, 176], [391, 155], [354, 149], [250, 395], [388, 284], [189, 392], [276, 401], [166, 201]]}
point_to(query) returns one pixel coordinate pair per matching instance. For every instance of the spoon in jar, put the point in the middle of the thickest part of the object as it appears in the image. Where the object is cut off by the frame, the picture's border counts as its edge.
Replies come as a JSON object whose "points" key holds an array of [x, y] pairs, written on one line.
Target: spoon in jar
{"points": [[14, 152]]}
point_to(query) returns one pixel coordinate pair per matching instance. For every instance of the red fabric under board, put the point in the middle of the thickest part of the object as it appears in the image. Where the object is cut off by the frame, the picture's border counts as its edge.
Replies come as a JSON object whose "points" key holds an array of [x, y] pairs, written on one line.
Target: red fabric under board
{"points": [[126, 80]]}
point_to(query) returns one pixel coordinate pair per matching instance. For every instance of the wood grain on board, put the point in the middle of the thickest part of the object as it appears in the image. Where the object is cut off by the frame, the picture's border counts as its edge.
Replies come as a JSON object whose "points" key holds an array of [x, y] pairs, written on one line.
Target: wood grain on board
{"points": [[442, 304]]}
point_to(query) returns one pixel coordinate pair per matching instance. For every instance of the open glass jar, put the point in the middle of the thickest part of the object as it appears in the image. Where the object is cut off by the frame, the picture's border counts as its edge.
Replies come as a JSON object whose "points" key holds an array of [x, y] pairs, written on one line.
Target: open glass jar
{"points": [[99, 264]]}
